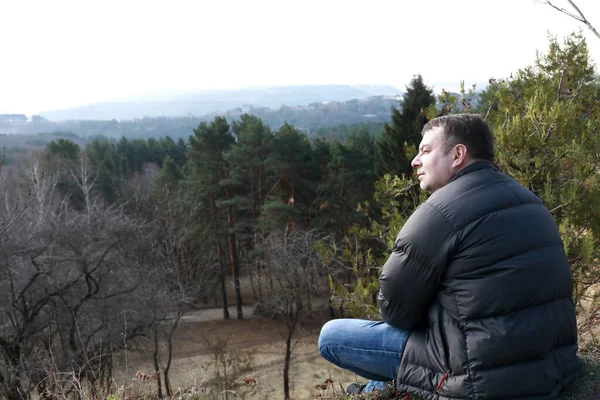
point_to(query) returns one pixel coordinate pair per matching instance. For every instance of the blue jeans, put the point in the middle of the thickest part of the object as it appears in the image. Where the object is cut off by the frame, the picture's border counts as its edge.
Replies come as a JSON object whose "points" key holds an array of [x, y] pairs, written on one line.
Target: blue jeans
{"points": [[368, 348]]}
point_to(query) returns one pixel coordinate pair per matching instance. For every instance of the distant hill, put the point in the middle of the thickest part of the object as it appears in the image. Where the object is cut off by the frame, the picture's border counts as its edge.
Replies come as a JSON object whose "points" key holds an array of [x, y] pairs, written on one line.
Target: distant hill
{"points": [[314, 116], [307, 118], [196, 104]]}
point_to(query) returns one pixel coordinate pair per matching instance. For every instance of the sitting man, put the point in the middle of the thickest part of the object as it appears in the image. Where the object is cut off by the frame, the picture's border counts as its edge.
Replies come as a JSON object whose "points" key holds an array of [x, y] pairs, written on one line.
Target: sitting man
{"points": [[476, 295]]}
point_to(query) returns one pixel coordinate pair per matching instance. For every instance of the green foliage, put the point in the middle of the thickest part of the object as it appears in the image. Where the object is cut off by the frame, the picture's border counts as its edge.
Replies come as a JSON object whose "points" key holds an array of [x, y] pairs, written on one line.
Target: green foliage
{"points": [[545, 119], [167, 180], [296, 174], [61, 157], [378, 219], [365, 248], [449, 103], [63, 148], [404, 130], [546, 129], [347, 180], [116, 162], [206, 168]]}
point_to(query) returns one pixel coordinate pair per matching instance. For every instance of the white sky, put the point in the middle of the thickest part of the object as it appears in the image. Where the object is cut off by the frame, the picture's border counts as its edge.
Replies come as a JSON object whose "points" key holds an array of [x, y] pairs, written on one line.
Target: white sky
{"points": [[60, 53]]}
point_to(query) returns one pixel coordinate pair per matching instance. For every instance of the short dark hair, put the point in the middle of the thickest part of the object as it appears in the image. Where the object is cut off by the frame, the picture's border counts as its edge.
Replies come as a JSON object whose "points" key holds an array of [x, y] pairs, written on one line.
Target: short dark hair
{"points": [[468, 129]]}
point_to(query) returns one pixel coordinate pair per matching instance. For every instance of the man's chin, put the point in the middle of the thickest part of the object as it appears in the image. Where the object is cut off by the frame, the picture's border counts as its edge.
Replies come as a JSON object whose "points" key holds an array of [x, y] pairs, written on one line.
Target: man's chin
{"points": [[425, 187]]}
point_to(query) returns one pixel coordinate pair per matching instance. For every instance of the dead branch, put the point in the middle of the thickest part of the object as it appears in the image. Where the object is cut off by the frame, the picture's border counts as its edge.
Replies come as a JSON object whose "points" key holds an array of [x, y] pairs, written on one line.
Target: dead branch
{"points": [[578, 17]]}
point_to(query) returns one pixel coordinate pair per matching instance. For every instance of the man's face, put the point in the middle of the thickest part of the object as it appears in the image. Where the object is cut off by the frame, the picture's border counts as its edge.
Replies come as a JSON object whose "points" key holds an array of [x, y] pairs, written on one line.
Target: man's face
{"points": [[435, 167]]}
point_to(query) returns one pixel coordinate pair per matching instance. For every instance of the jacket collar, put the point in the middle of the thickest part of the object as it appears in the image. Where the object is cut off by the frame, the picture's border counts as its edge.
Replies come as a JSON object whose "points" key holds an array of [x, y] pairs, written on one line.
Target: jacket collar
{"points": [[475, 166]]}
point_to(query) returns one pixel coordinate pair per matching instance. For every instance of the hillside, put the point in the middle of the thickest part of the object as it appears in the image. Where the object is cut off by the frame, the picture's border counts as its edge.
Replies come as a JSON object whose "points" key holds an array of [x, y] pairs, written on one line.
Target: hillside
{"points": [[197, 104], [308, 118]]}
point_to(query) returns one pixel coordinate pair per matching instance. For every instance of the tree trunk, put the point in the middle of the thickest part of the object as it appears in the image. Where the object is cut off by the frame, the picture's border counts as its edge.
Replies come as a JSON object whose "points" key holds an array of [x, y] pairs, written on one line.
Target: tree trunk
{"points": [[222, 278], [330, 308], [260, 186], [14, 393], [155, 358], [213, 212], [256, 292], [253, 195], [170, 358], [11, 386], [286, 365], [226, 391], [235, 267], [266, 261], [311, 288], [109, 375]]}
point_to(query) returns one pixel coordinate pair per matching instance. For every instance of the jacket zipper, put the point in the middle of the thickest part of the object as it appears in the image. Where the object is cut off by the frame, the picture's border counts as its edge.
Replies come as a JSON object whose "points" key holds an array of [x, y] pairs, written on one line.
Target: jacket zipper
{"points": [[439, 386]]}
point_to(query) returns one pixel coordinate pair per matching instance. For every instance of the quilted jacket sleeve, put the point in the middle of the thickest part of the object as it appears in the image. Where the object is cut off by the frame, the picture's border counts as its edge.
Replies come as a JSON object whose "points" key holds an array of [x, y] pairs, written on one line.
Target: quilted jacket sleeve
{"points": [[411, 277]]}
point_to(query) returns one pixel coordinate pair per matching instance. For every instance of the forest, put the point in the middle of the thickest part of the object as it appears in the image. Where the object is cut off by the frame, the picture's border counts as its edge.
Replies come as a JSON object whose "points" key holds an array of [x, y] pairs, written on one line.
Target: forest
{"points": [[110, 242]]}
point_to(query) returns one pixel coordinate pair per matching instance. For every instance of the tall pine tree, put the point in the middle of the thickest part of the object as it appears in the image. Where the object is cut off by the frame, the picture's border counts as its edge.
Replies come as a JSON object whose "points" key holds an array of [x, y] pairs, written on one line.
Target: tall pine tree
{"points": [[404, 130], [207, 168]]}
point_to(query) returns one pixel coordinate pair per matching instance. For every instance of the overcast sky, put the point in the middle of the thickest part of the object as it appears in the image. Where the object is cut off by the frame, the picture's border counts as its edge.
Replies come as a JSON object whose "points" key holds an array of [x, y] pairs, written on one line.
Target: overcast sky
{"points": [[58, 54]]}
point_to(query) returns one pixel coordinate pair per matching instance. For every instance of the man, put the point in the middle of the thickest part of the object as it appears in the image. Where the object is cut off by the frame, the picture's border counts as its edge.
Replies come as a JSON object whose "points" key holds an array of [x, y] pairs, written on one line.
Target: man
{"points": [[476, 295]]}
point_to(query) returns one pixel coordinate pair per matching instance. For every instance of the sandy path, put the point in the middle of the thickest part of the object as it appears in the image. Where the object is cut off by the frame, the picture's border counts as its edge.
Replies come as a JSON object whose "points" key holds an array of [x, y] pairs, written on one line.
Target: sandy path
{"points": [[263, 337], [216, 314]]}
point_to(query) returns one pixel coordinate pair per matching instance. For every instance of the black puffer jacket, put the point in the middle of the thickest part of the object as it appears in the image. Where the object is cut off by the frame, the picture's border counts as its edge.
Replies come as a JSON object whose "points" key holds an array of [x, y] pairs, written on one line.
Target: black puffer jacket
{"points": [[480, 278]]}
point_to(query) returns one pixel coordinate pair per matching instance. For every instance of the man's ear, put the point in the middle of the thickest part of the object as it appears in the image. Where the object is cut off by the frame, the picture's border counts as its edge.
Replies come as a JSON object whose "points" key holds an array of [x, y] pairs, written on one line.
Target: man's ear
{"points": [[459, 155]]}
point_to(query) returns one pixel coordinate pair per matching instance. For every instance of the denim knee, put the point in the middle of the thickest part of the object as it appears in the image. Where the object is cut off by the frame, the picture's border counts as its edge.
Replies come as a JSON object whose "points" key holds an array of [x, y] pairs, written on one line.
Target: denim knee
{"points": [[327, 337]]}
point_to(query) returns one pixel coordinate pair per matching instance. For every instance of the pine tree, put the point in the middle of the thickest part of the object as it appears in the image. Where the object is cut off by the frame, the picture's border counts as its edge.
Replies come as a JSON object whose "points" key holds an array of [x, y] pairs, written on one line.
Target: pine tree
{"points": [[404, 130], [207, 169], [348, 181], [296, 174]]}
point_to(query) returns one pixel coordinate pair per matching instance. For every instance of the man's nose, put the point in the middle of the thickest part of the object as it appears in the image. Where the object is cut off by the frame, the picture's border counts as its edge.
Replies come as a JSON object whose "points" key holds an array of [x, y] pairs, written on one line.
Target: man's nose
{"points": [[416, 162]]}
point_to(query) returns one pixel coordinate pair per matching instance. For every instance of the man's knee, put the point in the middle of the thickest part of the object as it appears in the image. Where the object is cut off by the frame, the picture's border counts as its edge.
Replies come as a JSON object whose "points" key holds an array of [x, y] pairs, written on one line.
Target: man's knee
{"points": [[327, 337]]}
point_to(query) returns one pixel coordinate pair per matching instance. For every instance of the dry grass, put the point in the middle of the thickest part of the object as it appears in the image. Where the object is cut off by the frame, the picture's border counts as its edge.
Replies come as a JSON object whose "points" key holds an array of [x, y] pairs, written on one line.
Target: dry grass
{"points": [[311, 376], [587, 387], [192, 364]]}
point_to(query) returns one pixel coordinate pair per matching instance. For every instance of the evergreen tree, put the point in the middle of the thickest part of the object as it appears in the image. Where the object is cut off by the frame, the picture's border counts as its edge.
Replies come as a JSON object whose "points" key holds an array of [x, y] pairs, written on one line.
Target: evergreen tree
{"points": [[168, 178], [404, 130], [104, 158], [60, 157], [63, 148], [251, 158], [348, 181], [250, 177], [207, 168], [296, 174], [545, 120], [547, 139]]}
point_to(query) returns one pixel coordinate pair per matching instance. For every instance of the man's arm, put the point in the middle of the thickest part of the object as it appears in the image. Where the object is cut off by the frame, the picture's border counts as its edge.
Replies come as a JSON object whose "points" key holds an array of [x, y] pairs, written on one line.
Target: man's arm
{"points": [[412, 274]]}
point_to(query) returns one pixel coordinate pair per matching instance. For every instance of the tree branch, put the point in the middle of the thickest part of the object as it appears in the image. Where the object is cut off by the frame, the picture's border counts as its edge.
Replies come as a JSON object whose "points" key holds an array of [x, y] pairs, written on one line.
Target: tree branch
{"points": [[15, 218], [579, 16]]}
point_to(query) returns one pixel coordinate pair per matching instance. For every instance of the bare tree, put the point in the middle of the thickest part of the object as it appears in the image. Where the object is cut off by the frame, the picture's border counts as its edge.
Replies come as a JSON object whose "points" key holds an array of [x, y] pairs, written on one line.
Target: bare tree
{"points": [[169, 301], [41, 186], [294, 266], [577, 15], [72, 283], [84, 176]]}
